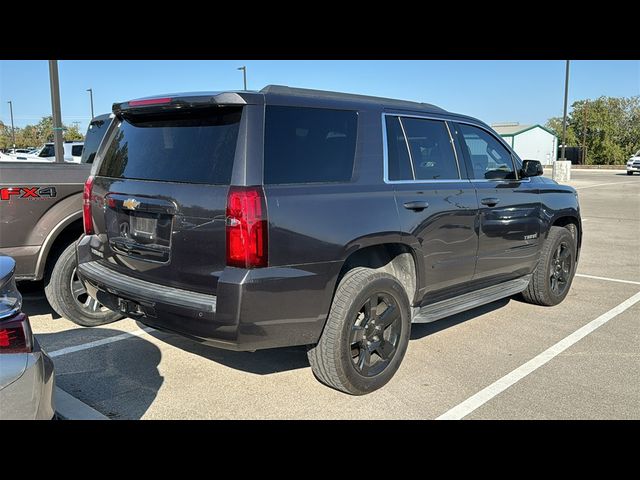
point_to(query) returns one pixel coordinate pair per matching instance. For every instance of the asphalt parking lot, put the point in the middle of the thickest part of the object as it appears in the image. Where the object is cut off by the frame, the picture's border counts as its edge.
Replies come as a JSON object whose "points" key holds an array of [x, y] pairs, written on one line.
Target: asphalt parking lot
{"points": [[506, 360]]}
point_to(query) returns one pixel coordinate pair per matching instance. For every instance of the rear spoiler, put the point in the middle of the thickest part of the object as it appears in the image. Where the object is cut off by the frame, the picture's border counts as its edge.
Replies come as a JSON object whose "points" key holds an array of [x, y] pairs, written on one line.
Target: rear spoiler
{"points": [[172, 102]]}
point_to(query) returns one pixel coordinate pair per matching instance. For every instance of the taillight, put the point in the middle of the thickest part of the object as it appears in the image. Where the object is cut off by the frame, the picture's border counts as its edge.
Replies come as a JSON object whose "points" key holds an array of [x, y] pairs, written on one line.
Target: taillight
{"points": [[86, 207], [15, 335], [246, 227]]}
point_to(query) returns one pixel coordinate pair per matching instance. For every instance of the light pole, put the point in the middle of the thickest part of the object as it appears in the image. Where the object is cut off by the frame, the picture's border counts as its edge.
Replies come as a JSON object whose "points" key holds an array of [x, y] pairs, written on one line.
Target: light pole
{"points": [[90, 90], [13, 130], [244, 75], [564, 115], [55, 108]]}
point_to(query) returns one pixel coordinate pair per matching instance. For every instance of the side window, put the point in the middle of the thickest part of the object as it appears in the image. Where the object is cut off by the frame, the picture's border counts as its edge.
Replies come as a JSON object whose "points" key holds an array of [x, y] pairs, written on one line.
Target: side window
{"points": [[399, 163], [48, 151], [76, 150], [489, 158], [431, 150], [309, 145]]}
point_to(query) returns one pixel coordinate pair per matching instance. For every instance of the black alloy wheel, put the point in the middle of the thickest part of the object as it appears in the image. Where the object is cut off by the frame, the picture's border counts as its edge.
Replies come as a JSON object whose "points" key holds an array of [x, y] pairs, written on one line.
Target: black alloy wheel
{"points": [[560, 270], [375, 334]]}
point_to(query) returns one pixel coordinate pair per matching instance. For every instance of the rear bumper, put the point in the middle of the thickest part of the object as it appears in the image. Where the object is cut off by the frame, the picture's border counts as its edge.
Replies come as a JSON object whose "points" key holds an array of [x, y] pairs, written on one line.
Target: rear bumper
{"points": [[252, 309], [633, 168], [30, 397]]}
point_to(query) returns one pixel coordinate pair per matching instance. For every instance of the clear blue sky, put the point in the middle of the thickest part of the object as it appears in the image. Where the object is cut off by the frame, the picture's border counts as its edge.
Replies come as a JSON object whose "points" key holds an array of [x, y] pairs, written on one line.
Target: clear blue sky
{"points": [[527, 91]]}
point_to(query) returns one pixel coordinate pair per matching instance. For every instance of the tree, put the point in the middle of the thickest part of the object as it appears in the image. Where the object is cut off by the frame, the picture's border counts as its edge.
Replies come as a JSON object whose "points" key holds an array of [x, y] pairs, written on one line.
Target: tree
{"points": [[555, 124], [610, 127], [28, 137], [42, 132], [5, 136], [44, 129], [72, 134]]}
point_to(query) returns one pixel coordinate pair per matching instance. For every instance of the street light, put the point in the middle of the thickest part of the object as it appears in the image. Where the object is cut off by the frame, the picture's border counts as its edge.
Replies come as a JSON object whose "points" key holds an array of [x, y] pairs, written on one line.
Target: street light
{"points": [[13, 130], [244, 75], [90, 90]]}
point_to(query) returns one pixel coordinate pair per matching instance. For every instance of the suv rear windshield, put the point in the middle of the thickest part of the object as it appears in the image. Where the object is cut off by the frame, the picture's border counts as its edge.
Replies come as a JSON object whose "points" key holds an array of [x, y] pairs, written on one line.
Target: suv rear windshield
{"points": [[192, 146]]}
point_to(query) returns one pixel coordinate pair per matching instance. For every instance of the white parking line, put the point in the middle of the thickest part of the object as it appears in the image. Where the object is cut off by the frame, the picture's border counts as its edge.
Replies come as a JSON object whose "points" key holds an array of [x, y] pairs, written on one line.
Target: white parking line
{"points": [[584, 275], [483, 396], [602, 185], [97, 343]]}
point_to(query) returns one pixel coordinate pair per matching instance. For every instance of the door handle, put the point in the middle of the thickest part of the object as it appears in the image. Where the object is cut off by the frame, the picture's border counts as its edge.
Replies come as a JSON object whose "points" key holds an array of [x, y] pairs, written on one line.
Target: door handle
{"points": [[417, 206], [490, 202]]}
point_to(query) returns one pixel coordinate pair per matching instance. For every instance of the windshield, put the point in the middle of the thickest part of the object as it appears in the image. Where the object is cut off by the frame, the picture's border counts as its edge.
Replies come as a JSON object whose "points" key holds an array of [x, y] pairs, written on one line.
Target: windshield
{"points": [[36, 151], [47, 151]]}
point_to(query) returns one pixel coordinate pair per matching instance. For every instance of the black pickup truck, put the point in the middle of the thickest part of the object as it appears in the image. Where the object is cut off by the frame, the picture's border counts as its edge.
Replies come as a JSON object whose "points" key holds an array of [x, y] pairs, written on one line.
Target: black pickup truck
{"points": [[249, 220], [40, 221]]}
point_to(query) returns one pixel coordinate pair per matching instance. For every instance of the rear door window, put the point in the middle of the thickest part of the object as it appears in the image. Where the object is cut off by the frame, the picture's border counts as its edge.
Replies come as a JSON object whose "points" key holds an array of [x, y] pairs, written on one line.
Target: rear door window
{"points": [[399, 162], [431, 149], [191, 146], [419, 149], [309, 145]]}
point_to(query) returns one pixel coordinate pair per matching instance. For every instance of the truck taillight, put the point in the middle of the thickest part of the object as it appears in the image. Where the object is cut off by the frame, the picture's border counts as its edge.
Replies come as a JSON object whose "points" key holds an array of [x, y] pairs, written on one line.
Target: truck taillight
{"points": [[86, 207], [15, 335], [246, 227]]}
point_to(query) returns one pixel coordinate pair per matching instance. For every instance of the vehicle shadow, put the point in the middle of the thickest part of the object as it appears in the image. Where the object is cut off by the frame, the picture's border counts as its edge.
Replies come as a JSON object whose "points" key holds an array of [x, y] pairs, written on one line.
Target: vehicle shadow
{"points": [[265, 362], [119, 379], [260, 362], [420, 330], [34, 301]]}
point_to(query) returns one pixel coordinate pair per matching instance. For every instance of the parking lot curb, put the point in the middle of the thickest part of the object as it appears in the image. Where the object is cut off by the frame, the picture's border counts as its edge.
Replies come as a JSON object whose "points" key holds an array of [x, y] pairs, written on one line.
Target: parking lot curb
{"points": [[69, 407]]}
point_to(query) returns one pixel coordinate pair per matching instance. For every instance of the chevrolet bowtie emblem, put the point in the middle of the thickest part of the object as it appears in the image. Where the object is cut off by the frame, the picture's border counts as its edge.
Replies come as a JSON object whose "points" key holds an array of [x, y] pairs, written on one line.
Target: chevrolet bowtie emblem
{"points": [[130, 203]]}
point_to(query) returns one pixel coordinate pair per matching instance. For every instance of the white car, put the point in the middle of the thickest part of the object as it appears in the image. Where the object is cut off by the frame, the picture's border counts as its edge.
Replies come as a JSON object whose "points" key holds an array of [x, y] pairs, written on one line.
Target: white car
{"points": [[46, 153], [21, 150], [633, 164]]}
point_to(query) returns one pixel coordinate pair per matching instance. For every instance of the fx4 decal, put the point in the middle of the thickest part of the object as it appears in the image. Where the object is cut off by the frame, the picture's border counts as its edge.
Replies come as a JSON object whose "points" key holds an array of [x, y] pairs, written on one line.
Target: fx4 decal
{"points": [[7, 193]]}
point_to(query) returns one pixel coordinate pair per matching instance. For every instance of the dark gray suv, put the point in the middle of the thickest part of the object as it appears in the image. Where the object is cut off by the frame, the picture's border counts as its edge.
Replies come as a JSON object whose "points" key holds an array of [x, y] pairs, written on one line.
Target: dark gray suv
{"points": [[250, 220]]}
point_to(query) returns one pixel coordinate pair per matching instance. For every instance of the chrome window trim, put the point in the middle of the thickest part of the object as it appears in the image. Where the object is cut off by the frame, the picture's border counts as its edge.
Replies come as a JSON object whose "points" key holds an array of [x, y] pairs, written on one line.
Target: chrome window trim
{"points": [[385, 151], [501, 180]]}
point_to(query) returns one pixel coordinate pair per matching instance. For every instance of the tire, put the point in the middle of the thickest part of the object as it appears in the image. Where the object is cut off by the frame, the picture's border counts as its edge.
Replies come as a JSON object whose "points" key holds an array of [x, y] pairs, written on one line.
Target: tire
{"points": [[551, 280], [70, 302], [343, 359], [629, 173]]}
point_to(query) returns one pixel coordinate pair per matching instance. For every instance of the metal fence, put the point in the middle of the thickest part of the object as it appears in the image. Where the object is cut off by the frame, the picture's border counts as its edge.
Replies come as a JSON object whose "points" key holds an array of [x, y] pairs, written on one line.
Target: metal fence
{"points": [[574, 154]]}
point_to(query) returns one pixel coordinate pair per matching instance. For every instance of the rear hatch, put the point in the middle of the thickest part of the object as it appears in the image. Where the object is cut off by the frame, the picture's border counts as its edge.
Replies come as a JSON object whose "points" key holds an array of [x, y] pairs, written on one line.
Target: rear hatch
{"points": [[162, 187]]}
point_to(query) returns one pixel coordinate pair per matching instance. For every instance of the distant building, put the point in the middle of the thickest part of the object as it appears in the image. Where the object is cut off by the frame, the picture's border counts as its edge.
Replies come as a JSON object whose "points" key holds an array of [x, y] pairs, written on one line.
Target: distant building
{"points": [[530, 142]]}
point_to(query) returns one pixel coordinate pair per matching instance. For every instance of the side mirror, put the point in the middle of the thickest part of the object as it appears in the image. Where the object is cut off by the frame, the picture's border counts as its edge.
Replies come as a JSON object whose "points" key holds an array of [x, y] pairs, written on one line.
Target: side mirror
{"points": [[531, 168]]}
